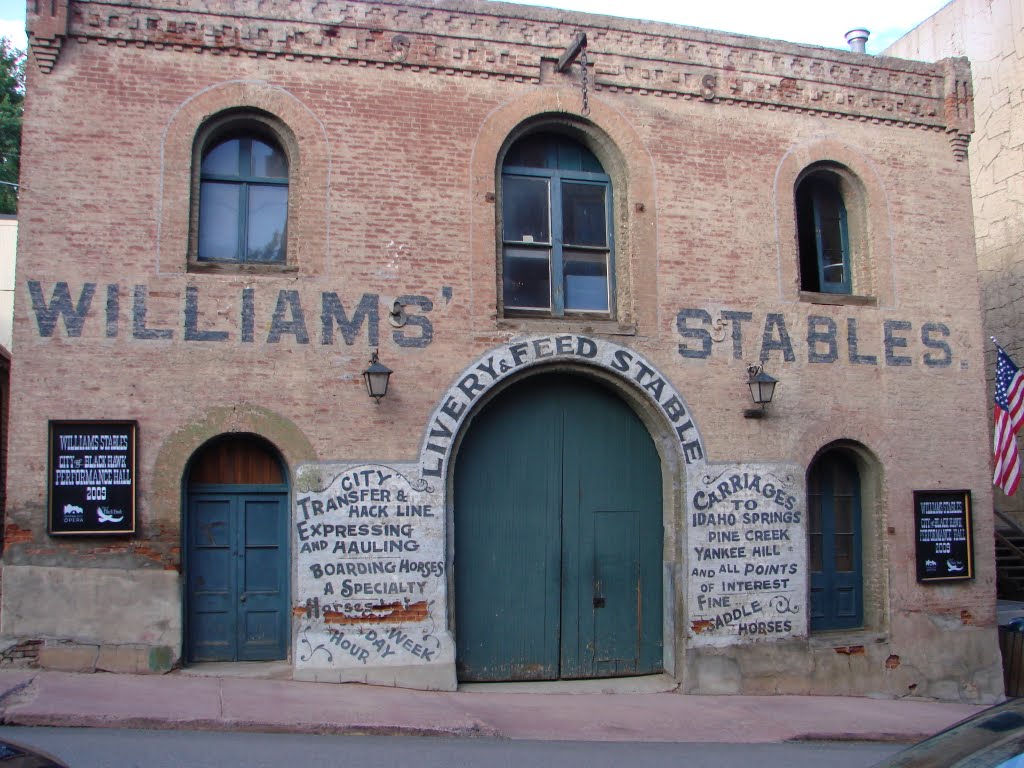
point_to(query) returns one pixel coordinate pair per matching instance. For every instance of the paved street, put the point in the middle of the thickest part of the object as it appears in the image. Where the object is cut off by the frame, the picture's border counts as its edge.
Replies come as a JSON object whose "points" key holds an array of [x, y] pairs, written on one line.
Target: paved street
{"points": [[115, 748]]}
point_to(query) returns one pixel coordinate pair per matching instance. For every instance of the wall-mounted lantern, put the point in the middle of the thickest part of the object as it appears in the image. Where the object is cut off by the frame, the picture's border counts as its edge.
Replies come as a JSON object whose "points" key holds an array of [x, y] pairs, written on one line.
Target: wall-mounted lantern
{"points": [[376, 378], [762, 388]]}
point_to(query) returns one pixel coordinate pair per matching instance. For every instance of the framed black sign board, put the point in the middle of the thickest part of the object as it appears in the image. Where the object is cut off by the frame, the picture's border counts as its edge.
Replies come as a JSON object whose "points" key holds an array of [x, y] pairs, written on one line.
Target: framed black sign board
{"points": [[943, 532], [92, 477]]}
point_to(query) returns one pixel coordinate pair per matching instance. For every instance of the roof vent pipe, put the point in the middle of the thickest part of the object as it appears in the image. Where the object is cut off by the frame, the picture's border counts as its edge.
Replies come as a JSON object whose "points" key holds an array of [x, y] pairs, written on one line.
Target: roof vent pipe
{"points": [[857, 39]]}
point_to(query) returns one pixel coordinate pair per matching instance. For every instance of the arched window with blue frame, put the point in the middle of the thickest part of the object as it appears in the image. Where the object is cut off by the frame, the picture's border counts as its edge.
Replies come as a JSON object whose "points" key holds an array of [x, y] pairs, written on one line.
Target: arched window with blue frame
{"points": [[556, 229], [823, 234]]}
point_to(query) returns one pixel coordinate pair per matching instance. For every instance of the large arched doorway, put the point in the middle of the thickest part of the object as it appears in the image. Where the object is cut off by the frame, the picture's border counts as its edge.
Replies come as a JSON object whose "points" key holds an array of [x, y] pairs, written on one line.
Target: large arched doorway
{"points": [[558, 536], [236, 552]]}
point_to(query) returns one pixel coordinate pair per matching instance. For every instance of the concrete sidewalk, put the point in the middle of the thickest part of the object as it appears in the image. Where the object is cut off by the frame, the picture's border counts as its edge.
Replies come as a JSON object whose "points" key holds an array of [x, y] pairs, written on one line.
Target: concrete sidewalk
{"points": [[181, 701]]}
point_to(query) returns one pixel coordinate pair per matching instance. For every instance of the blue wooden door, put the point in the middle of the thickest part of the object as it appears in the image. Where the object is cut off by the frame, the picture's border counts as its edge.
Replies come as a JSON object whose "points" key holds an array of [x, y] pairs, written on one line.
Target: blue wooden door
{"points": [[237, 573], [834, 532], [558, 537]]}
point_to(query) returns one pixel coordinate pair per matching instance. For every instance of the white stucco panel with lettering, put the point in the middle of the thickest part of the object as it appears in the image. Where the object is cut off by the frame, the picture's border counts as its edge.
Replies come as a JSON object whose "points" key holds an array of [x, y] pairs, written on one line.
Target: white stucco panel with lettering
{"points": [[370, 580], [745, 553]]}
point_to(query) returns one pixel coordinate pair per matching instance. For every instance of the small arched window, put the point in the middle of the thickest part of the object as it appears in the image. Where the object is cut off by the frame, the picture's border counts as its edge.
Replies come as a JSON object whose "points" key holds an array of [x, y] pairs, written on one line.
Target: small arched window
{"points": [[823, 234], [556, 232], [834, 534], [242, 210]]}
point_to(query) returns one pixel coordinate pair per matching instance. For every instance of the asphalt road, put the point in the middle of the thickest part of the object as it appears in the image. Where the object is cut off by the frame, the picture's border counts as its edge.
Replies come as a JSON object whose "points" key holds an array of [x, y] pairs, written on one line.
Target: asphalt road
{"points": [[111, 748]]}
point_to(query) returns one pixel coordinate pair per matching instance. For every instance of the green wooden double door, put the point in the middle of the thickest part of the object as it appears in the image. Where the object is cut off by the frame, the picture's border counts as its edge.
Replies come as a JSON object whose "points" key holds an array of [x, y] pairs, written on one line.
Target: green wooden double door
{"points": [[558, 537]]}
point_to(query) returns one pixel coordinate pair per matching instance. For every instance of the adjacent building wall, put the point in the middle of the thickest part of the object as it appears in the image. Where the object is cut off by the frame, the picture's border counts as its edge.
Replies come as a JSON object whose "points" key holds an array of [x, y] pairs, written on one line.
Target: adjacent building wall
{"points": [[991, 34], [8, 257]]}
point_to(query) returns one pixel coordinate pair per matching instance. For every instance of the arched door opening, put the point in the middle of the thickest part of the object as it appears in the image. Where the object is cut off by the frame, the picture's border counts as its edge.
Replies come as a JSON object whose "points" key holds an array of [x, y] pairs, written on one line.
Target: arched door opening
{"points": [[236, 552], [834, 534], [558, 536]]}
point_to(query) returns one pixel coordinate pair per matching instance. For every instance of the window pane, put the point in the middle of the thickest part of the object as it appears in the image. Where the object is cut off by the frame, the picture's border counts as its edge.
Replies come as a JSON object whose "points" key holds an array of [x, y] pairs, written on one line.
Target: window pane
{"points": [[268, 162], [844, 552], [526, 278], [548, 150], [268, 213], [525, 210], [583, 220], [829, 214], [844, 514], [844, 477], [223, 159], [586, 281], [816, 565], [814, 513], [831, 246], [219, 208]]}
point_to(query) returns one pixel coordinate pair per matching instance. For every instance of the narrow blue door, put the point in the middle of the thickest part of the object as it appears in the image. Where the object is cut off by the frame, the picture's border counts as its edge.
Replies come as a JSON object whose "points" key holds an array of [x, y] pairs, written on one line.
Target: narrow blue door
{"points": [[834, 532], [237, 573]]}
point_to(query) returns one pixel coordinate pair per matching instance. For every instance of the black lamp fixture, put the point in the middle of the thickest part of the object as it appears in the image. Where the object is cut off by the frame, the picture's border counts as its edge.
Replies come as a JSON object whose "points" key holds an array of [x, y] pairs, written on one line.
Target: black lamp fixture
{"points": [[376, 378], [762, 388]]}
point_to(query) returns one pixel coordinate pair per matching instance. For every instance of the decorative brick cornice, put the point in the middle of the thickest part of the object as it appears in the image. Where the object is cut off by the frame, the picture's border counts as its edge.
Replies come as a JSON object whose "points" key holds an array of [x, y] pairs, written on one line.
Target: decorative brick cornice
{"points": [[958, 104], [508, 42], [47, 24]]}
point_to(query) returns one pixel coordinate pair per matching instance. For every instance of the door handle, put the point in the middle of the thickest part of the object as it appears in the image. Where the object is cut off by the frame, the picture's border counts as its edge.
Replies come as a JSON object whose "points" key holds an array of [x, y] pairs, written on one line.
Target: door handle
{"points": [[241, 599], [598, 601]]}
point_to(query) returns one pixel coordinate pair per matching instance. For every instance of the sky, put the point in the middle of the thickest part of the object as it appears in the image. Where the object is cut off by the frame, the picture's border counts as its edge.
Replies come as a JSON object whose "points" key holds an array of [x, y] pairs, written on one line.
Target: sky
{"points": [[816, 22]]}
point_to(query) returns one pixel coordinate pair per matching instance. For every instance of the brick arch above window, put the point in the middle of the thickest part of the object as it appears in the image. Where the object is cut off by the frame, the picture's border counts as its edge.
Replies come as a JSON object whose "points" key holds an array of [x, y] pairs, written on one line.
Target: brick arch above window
{"points": [[628, 164], [300, 135], [862, 218]]}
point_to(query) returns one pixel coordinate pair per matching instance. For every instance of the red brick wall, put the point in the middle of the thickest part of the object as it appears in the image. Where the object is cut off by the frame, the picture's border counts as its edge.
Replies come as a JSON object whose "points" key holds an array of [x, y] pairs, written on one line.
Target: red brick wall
{"points": [[395, 196]]}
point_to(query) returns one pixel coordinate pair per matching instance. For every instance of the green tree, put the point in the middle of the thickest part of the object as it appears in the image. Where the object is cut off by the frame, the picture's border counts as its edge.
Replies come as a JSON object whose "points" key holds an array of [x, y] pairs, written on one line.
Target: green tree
{"points": [[12, 97]]}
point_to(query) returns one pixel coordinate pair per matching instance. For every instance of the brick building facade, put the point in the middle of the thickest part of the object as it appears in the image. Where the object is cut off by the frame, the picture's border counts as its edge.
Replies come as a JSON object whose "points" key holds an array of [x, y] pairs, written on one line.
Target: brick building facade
{"points": [[569, 254]]}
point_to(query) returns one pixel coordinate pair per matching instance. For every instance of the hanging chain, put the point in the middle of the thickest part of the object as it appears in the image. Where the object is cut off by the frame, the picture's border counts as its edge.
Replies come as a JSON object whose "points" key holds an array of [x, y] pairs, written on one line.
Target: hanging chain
{"points": [[586, 103]]}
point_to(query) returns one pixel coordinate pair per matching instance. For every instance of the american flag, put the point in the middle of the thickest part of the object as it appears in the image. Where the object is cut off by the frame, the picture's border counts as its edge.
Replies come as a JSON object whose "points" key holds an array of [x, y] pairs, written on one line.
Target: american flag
{"points": [[1009, 417]]}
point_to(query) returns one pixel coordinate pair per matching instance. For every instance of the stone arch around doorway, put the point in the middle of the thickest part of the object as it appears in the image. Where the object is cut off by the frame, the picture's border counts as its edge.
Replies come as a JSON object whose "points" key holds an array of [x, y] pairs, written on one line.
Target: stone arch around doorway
{"points": [[169, 491], [629, 375], [662, 408], [176, 451], [236, 552], [873, 553]]}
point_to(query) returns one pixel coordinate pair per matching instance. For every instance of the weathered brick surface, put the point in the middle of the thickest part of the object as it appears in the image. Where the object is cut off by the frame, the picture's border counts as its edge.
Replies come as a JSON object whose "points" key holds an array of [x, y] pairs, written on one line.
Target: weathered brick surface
{"points": [[400, 114]]}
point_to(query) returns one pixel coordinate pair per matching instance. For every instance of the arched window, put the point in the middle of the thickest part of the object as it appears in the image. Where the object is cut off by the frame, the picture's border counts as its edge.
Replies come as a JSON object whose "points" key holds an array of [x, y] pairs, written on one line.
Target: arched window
{"points": [[242, 162], [243, 201], [556, 231], [834, 533], [823, 234]]}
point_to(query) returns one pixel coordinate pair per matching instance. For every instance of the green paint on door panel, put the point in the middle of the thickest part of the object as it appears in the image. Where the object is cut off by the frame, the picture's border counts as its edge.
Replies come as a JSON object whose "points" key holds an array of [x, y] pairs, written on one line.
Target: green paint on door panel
{"points": [[558, 537]]}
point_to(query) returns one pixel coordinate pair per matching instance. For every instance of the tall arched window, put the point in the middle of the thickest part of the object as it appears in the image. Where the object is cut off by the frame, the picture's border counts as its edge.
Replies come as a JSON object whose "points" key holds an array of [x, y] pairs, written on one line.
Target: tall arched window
{"points": [[557, 245], [242, 164], [823, 233], [243, 200], [834, 533]]}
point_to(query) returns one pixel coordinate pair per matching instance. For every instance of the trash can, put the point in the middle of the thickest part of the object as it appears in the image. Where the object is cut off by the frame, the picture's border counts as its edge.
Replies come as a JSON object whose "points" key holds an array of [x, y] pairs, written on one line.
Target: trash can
{"points": [[1011, 645]]}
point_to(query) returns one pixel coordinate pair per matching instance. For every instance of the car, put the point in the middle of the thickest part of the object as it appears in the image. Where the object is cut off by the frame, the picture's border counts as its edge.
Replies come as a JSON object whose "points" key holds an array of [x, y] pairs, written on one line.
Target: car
{"points": [[13, 755], [990, 739]]}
